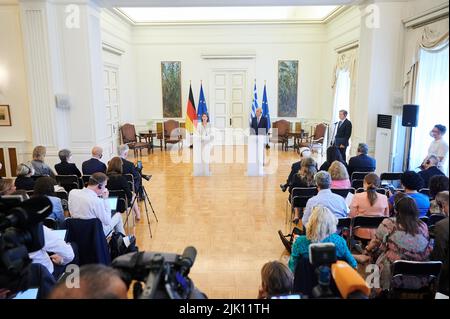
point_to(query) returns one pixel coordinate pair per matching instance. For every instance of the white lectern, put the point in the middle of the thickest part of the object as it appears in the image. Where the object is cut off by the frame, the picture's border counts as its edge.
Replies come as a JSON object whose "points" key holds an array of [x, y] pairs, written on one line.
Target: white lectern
{"points": [[255, 155], [202, 155]]}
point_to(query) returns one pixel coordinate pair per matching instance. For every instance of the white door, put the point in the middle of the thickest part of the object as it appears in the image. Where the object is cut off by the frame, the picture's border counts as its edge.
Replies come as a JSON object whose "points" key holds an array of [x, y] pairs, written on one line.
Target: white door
{"points": [[228, 109], [111, 96]]}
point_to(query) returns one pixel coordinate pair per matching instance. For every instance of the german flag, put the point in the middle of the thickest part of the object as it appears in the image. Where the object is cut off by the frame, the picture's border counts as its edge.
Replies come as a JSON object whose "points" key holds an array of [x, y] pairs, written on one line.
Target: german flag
{"points": [[191, 113]]}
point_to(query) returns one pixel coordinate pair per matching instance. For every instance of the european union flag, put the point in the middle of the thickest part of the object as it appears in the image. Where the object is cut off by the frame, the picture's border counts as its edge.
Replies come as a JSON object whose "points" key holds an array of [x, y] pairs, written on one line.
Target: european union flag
{"points": [[265, 107], [202, 108]]}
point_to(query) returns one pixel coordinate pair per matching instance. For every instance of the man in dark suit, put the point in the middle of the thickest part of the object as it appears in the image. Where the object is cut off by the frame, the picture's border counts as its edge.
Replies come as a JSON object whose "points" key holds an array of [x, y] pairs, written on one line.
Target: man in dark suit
{"points": [[94, 165], [430, 169], [259, 124], [129, 168], [362, 162], [66, 168], [343, 133]]}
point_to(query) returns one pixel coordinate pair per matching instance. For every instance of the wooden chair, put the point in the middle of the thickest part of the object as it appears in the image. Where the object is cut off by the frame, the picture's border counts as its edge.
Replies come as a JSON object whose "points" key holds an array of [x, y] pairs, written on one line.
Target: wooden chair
{"points": [[316, 140], [129, 137], [172, 133], [283, 128]]}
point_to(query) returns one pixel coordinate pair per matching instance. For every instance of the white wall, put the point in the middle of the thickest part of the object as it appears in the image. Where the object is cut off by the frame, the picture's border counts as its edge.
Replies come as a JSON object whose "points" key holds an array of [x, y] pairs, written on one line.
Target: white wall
{"points": [[14, 90]]}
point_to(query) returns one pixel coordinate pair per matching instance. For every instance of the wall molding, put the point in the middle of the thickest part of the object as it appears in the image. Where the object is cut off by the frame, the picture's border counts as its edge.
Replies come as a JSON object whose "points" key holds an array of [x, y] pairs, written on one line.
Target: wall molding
{"points": [[228, 56], [112, 48], [429, 16]]}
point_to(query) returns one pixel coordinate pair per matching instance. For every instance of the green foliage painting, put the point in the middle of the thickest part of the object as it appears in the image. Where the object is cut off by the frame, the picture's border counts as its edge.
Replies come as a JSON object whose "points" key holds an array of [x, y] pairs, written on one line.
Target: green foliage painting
{"points": [[171, 88], [287, 88]]}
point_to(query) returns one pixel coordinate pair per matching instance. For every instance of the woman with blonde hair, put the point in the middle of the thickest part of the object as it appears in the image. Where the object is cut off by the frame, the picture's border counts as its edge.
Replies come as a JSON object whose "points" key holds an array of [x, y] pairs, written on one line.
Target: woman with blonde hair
{"points": [[339, 175], [116, 181], [40, 167], [321, 228]]}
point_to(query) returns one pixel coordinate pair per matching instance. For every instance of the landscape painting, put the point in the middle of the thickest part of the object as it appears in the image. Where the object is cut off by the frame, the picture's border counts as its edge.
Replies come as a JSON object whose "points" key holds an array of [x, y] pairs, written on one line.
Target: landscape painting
{"points": [[287, 88], [171, 88]]}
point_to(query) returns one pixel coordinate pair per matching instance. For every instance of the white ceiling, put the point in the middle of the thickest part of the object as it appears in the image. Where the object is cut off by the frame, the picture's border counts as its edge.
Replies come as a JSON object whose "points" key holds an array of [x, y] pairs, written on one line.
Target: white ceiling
{"points": [[221, 3], [226, 14]]}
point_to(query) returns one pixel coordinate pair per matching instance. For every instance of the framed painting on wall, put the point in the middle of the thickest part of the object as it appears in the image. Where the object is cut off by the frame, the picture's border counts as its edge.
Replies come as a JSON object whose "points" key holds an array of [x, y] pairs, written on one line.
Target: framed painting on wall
{"points": [[5, 115], [171, 88], [287, 88]]}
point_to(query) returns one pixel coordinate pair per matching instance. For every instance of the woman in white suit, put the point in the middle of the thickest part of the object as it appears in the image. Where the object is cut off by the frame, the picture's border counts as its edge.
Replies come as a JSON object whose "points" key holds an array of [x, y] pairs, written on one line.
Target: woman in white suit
{"points": [[205, 138]]}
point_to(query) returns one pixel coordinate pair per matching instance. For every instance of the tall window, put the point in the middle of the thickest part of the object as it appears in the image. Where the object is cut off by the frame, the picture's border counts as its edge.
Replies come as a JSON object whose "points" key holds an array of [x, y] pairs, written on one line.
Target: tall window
{"points": [[432, 97], [342, 95]]}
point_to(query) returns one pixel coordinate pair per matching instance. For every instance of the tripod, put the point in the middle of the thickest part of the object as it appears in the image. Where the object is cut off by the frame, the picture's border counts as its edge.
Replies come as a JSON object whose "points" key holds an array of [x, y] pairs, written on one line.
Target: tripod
{"points": [[146, 198]]}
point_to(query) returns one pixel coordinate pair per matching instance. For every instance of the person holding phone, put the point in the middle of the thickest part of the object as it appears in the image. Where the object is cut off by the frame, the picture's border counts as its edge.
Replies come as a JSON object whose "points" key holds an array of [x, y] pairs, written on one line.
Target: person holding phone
{"points": [[129, 168]]}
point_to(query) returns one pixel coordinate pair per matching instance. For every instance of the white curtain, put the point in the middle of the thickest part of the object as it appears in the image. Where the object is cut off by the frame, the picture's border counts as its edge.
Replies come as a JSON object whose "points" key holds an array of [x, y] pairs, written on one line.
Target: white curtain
{"points": [[432, 97], [342, 94]]}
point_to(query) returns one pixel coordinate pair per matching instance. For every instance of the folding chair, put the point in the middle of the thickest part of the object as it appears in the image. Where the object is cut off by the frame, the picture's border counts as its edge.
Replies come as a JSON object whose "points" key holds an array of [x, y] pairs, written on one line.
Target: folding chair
{"points": [[369, 222], [391, 177], [130, 181], [122, 203], [343, 226], [343, 191], [425, 191], [299, 198], [357, 183], [64, 199], [414, 279], [359, 175], [69, 182]]}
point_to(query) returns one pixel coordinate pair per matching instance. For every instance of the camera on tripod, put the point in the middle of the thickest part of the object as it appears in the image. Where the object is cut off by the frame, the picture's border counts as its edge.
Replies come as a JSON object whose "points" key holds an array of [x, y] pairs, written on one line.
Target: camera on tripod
{"points": [[159, 275], [21, 232], [139, 168]]}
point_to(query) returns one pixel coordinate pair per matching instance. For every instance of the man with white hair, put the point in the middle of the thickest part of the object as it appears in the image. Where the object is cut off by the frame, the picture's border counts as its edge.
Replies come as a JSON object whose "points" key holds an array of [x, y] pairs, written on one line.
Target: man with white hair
{"points": [[259, 123], [129, 168], [304, 152], [335, 203], [94, 165]]}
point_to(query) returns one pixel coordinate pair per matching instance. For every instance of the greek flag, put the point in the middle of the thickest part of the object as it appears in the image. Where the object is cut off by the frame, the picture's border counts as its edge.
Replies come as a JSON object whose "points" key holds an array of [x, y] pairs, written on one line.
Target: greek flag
{"points": [[254, 105]]}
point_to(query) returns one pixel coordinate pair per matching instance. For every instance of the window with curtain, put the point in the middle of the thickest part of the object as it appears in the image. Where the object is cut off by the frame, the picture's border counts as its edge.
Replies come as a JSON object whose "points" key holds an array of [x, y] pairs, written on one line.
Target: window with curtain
{"points": [[342, 95], [432, 97]]}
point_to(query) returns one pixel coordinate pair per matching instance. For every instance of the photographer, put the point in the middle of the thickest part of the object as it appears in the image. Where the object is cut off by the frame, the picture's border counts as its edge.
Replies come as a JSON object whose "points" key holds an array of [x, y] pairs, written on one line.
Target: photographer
{"points": [[129, 168]]}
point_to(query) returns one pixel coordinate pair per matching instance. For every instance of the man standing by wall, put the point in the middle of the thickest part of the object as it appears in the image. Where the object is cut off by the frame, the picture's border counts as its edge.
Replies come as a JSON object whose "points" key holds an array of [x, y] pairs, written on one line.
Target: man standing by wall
{"points": [[343, 133]]}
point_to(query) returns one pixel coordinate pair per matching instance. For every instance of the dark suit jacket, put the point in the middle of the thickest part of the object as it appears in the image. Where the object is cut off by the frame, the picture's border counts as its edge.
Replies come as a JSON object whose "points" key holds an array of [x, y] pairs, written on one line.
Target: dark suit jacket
{"points": [[24, 183], [92, 166], [262, 125], [118, 182], [428, 174], [65, 168], [129, 168], [343, 133], [361, 163], [294, 170]]}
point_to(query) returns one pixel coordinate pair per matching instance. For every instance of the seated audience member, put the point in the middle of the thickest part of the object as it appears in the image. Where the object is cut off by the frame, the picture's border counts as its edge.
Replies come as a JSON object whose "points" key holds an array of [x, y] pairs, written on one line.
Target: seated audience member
{"points": [[403, 237], [94, 165], [335, 203], [437, 184], [304, 152], [96, 282], [61, 253], [129, 168], [361, 162], [92, 202], [369, 203], [304, 178], [7, 187], [321, 228], [333, 154], [116, 181], [412, 182], [45, 186], [339, 175], [439, 146], [65, 167], [440, 250], [40, 167], [24, 180], [1, 166], [276, 280], [429, 169]]}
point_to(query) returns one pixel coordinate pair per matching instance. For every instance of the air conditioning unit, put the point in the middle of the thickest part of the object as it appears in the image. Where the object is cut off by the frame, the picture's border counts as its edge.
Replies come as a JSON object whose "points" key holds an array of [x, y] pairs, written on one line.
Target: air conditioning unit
{"points": [[389, 144]]}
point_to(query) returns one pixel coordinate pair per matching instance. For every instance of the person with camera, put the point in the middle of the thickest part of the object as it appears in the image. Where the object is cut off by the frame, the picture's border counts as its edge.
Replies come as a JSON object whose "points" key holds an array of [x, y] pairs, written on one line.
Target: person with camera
{"points": [[23, 180], [403, 237], [91, 202], [116, 181], [321, 228], [129, 168]]}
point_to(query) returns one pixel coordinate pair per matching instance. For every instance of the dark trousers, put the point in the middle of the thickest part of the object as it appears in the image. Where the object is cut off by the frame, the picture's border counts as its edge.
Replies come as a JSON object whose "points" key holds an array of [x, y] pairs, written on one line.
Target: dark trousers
{"points": [[343, 151]]}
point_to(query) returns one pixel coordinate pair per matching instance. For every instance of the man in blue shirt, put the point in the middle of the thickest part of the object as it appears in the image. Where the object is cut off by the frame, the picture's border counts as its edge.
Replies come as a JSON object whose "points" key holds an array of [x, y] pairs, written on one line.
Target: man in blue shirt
{"points": [[335, 203]]}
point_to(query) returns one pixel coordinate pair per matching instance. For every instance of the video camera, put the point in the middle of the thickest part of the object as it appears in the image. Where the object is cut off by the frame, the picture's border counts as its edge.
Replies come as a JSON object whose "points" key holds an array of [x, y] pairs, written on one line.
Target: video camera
{"points": [[139, 168], [21, 232], [164, 276], [349, 284]]}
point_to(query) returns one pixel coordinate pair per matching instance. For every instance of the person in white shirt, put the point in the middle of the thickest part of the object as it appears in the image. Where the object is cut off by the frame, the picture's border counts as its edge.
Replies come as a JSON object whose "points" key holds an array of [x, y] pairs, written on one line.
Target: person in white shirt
{"points": [[62, 251], [438, 147], [92, 202]]}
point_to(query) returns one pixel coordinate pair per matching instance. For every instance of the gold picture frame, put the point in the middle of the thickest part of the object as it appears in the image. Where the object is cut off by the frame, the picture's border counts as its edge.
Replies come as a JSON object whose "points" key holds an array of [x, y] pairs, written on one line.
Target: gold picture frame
{"points": [[5, 115]]}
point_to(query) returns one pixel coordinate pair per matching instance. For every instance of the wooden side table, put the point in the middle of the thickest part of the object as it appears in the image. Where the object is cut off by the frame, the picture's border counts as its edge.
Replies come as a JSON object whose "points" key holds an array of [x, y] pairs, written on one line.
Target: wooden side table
{"points": [[148, 136]]}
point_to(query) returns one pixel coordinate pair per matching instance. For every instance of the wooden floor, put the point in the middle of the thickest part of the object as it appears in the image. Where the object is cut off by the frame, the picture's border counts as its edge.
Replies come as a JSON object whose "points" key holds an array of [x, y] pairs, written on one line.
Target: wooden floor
{"points": [[230, 218]]}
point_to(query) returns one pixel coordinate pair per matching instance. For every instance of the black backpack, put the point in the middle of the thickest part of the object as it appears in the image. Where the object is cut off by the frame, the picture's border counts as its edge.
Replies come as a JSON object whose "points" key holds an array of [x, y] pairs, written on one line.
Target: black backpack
{"points": [[117, 245]]}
